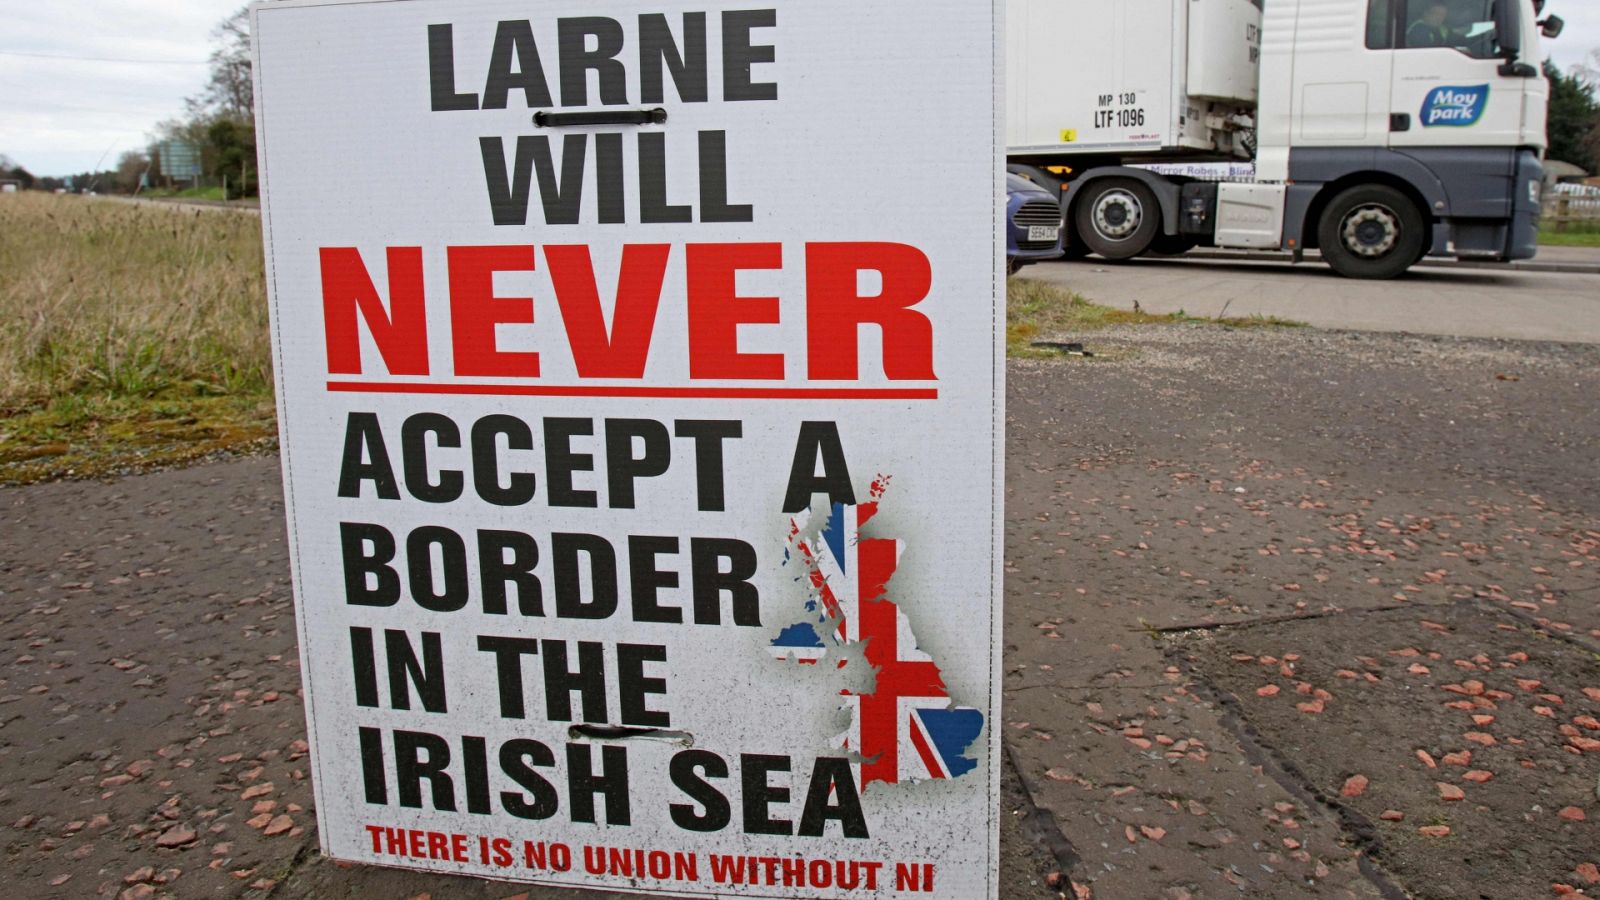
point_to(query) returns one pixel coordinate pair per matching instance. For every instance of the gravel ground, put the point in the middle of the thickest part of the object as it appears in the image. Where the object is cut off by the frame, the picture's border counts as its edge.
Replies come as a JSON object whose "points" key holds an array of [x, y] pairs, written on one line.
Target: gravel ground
{"points": [[1194, 497], [1466, 801], [1213, 477]]}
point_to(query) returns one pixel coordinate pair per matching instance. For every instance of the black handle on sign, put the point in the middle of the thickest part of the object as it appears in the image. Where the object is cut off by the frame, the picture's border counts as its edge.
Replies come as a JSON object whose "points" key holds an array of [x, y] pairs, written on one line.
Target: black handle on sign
{"points": [[657, 116], [587, 732]]}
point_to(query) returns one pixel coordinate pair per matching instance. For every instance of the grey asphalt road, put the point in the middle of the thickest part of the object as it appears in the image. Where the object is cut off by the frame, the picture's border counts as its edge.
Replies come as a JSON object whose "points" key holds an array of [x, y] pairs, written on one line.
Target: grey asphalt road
{"points": [[1460, 302]]}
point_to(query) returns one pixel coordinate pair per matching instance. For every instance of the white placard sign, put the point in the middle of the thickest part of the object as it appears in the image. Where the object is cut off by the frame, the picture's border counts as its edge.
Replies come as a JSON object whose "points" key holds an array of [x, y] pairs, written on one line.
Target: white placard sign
{"points": [[640, 382]]}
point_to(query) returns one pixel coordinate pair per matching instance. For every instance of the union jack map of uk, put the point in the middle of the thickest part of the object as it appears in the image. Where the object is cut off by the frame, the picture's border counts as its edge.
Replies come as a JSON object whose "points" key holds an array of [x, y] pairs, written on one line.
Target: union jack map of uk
{"points": [[907, 728]]}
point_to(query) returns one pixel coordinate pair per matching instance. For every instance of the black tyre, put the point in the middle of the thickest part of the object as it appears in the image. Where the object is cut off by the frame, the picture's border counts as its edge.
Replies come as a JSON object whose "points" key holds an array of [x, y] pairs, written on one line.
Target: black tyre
{"points": [[1423, 249], [1012, 266], [1371, 231], [1171, 245], [1075, 247], [1117, 218]]}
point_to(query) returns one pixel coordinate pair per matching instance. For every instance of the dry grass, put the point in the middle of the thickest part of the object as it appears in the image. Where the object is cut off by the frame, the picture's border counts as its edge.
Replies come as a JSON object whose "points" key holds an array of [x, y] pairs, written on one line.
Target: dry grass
{"points": [[110, 298], [130, 336]]}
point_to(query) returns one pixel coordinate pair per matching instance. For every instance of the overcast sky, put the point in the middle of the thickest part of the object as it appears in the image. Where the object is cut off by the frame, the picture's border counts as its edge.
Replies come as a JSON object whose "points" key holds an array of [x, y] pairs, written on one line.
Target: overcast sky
{"points": [[60, 116], [64, 115]]}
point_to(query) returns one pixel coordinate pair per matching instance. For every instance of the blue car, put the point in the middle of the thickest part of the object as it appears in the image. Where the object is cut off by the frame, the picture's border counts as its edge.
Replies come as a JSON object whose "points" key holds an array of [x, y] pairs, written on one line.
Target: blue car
{"points": [[1033, 224]]}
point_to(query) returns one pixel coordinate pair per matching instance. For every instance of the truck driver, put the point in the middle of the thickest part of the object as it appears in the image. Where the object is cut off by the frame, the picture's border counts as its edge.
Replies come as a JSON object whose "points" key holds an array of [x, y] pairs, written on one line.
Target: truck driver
{"points": [[1429, 31]]}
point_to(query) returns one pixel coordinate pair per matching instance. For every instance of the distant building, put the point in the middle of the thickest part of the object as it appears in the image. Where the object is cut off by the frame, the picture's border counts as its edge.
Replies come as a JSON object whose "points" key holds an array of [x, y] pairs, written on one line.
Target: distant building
{"points": [[1558, 172]]}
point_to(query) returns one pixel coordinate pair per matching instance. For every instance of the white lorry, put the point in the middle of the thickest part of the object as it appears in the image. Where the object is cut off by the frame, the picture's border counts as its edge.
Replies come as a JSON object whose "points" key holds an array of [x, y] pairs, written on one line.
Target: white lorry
{"points": [[1382, 131]]}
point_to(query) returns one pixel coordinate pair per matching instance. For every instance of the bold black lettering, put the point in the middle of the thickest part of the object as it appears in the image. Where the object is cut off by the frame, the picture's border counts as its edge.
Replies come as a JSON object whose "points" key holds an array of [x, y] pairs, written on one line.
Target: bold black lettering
{"points": [[589, 681], [452, 596], [363, 440], [577, 60], [497, 572], [442, 71], [710, 581], [517, 759], [359, 564], [688, 66], [570, 603], [739, 56], [414, 451], [645, 579], [708, 436], [611, 192], [686, 769], [561, 462], [758, 795], [364, 666], [418, 757], [514, 46], [583, 784], [653, 206], [508, 653], [509, 188], [714, 205], [406, 670], [632, 685], [486, 434], [374, 782], [818, 440], [623, 468], [562, 200], [475, 768], [833, 795]]}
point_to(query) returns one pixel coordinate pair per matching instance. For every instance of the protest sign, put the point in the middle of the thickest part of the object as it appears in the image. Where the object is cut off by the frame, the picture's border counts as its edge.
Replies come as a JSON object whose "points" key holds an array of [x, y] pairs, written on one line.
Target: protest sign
{"points": [[640, 388]]}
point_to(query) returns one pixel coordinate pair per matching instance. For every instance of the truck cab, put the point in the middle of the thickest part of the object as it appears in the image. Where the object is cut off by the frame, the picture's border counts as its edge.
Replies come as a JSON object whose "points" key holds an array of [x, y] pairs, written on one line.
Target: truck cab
{"points": [[1440, 101], [1382, 131]]}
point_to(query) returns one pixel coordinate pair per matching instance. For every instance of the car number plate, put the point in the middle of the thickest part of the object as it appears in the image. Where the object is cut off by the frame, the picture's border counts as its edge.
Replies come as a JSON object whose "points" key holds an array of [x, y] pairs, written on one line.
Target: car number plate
{"points": [[1043, 233]]}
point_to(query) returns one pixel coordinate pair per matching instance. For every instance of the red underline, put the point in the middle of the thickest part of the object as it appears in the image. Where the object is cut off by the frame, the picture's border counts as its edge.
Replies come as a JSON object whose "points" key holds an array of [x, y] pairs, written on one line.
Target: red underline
{"points": [[700, 393]]}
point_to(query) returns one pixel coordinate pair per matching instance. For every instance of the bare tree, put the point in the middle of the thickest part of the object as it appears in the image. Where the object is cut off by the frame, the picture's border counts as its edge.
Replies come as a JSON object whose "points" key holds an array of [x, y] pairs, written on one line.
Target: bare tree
{"points": [[229, 92], [1589, 70], [131, 168], [1589, 73]]}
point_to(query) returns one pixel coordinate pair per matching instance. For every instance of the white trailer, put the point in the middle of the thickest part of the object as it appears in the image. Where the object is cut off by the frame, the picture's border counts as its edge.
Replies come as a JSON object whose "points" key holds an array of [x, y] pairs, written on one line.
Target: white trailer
{"points": [[1381, 131]]}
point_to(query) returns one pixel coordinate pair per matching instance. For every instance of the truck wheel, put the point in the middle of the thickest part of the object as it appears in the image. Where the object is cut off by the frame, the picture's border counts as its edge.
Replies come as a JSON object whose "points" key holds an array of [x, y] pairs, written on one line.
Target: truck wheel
{"points": [[1117, 218], [1424, 249], [1371, 231], [1171, 245], [1074, 248]]}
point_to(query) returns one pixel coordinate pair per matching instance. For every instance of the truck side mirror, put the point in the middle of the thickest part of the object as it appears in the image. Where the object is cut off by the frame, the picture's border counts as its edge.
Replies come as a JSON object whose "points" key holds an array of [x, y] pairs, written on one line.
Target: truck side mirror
{"points": [[1552, 26], [1508, 32]]}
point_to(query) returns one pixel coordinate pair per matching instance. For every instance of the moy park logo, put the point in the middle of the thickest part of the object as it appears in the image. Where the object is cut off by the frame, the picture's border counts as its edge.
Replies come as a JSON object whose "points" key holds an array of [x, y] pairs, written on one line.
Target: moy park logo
{"points": [[1454, 106]]}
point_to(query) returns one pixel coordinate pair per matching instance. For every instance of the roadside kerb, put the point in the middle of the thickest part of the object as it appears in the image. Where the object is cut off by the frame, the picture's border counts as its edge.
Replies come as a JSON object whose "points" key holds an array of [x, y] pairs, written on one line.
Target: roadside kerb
{"points": [[1526, 265]]}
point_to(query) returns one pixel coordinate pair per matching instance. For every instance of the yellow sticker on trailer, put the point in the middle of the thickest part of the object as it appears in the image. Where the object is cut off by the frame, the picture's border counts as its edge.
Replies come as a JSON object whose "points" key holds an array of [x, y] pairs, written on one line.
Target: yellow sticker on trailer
{"points": [[1069, 135]]}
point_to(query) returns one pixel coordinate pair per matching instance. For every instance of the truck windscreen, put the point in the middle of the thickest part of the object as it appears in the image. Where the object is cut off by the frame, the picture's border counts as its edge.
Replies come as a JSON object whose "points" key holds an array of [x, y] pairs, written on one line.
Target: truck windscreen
{"points": [[1472, 27]]}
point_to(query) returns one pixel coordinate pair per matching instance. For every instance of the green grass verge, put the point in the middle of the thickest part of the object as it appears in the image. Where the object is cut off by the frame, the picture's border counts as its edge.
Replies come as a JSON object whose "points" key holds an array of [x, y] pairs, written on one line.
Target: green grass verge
{"points": [[1569, 239], [1035, 310], [96, 434]]}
